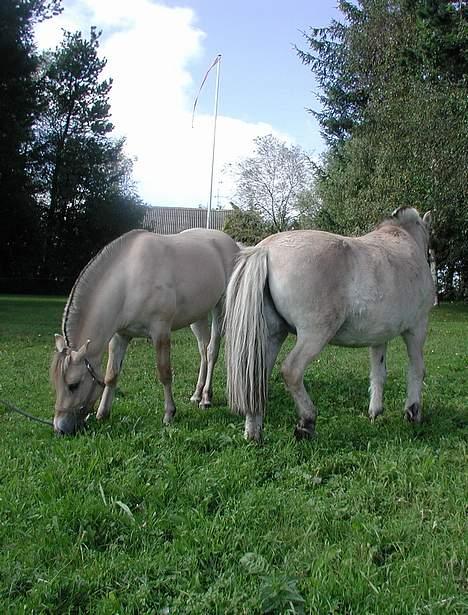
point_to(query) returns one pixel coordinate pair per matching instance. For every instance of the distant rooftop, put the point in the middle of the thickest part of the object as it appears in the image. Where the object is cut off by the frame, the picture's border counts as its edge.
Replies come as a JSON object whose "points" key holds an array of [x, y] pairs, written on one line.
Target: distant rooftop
{"points": [[172, 220]]}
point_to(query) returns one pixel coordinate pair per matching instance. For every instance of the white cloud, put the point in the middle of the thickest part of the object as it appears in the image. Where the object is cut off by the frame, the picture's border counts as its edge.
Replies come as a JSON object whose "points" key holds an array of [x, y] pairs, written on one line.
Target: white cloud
{"points": [[148, 49]]}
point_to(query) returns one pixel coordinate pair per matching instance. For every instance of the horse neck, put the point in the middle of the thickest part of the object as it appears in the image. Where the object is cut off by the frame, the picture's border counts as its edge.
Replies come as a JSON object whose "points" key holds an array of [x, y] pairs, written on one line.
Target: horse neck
{"points": [[94, 316], [420, 237]]}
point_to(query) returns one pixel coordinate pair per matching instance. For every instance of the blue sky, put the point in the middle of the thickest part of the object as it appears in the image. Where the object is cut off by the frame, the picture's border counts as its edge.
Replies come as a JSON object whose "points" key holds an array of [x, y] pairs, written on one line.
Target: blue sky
{"points": [[263, 79], [158, 53]]}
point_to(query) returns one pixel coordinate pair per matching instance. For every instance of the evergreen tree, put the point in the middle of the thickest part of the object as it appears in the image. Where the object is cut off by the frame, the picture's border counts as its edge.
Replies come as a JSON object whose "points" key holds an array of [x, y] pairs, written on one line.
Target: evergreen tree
{"points": [[19, 228], [394, 79], [83, 169]]}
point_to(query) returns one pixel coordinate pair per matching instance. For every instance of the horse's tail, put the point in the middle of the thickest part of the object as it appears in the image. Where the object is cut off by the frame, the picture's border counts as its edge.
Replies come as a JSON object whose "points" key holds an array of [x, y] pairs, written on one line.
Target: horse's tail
{"points": [[246, 333]]}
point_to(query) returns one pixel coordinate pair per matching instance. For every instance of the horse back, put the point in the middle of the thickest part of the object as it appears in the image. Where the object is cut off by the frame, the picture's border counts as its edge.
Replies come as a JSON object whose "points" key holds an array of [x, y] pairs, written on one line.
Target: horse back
{"points": [[178, 277]]}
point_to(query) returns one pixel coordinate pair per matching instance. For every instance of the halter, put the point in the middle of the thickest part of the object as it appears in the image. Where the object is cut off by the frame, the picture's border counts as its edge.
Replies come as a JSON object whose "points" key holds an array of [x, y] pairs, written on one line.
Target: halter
{"points": [[94, 376]]}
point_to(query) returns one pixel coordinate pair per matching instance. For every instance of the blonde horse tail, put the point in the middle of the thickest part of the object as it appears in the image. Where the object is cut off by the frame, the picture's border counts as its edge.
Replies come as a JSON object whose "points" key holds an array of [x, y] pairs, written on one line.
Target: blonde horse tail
{"points": [[246, 334]]}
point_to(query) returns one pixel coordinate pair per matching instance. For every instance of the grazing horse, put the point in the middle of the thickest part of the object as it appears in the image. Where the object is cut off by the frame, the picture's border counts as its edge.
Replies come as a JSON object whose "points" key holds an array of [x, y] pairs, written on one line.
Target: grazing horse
{"points": [[327, 289], [140, 285]]}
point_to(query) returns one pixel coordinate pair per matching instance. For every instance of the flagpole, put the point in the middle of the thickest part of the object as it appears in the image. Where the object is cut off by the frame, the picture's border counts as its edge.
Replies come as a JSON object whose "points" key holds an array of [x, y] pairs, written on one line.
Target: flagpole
{"points": [[208, 214]]}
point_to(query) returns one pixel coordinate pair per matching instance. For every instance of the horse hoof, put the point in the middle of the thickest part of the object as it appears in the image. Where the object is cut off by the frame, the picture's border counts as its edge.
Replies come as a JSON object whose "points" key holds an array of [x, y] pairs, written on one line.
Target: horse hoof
{"points": [[374, 414], [102, 416], [195, 399], [255, 438], [301, 433], [413, 413], [204, 404], [168, 419]]}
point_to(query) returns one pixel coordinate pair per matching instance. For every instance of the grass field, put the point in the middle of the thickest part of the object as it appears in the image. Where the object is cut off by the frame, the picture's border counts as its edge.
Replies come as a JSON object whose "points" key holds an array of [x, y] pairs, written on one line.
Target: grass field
{"points": [[134, 517]]}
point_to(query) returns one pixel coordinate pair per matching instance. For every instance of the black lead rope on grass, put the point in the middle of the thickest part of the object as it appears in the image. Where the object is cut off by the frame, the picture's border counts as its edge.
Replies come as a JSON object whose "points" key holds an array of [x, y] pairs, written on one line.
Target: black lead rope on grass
{"points": [[13, 408]]}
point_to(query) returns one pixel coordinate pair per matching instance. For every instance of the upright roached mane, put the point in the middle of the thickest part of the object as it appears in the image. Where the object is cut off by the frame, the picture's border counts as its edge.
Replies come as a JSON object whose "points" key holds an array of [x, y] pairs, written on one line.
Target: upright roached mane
{"points": [[325, 289], [88, 278], [140, 285]]}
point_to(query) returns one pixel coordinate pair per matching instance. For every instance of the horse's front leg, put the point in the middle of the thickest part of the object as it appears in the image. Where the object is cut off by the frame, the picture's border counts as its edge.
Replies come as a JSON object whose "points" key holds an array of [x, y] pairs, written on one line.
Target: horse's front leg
{"points": [[378, 375], [162, 343], [201, 331], [414, 340], [117, 348]]}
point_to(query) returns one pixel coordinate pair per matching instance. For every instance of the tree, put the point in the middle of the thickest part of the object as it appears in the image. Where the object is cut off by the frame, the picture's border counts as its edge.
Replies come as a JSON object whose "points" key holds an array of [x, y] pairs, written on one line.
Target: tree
{"points": [[83, 169], [246, 226], [270, 181], [19, 236], [378, 42], [406, 142]]}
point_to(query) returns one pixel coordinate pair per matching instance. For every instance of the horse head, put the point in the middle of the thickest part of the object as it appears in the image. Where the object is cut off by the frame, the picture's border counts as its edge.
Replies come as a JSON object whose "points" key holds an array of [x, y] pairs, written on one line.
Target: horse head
{"points": [[77, 387]]}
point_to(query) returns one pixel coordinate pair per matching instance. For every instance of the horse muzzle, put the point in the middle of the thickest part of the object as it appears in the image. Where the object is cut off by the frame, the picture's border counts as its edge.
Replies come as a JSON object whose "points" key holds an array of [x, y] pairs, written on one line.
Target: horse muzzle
{"points": [[69, 423]]}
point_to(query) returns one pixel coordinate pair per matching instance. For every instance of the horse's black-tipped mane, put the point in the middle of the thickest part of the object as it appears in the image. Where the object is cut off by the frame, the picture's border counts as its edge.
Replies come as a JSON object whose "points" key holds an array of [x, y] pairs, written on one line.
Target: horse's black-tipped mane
{"points": [[88, 278], [400, 217]]}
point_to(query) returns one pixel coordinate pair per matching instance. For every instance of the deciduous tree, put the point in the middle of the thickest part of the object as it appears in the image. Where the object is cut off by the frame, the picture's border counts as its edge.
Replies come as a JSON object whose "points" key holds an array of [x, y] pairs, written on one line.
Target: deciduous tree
{"points": [[270, 181]]}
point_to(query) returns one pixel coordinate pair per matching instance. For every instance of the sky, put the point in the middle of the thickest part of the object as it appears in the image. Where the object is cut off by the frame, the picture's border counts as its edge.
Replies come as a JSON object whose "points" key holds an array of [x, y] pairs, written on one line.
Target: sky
{"points": [[157, 55]]}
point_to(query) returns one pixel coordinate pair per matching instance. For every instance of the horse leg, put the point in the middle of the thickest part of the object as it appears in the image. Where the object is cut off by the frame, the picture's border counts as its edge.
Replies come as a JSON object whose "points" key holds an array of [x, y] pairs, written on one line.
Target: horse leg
{"points": [[212, 354], [378, 375], [117, 348], [277, 333], [162, 342], [202, 333], [307, 348], [414, 340]]}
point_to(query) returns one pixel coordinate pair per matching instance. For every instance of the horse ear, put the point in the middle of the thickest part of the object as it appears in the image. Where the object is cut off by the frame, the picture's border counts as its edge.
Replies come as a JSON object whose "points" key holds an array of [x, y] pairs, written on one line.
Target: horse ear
{"points": [[78, 355], [60, 343], [427, 219]]}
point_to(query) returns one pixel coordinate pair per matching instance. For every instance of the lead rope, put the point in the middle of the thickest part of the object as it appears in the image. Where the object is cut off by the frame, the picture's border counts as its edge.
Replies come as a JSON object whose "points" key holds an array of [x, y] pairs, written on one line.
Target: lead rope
{"points": [[13, 408]]}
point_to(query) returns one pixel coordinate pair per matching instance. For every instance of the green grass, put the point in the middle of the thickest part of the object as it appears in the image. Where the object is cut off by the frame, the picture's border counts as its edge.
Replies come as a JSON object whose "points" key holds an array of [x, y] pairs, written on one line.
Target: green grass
{"points": [[133, 517]]}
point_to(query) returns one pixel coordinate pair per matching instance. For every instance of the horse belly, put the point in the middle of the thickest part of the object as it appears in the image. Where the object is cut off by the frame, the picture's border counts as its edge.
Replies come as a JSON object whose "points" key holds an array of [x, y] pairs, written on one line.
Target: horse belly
{"points": [[361, 333], [370, 324]]}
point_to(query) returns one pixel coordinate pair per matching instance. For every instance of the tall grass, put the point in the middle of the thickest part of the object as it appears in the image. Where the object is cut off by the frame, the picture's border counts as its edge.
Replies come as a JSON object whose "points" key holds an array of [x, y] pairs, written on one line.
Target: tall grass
{"points": [[134, 517]]}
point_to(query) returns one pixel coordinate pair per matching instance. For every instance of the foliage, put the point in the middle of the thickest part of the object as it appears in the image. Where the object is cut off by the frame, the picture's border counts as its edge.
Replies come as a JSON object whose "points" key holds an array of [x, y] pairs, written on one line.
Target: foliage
{"points": [[134, 517], [18, 108], [270, 181], [395, 115], [65, 182], [246, 226], [83, 170], [308, 206]]}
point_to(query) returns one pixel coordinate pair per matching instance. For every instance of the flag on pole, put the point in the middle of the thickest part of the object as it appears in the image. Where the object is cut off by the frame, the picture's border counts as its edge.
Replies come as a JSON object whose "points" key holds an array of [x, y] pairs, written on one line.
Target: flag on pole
{"points": [[215, 62]]}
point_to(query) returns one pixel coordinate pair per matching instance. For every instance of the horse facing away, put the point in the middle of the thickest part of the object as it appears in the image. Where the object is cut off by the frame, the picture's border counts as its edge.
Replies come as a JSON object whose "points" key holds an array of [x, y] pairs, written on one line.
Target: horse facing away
{"points": [[327, 289], [140, 285]]}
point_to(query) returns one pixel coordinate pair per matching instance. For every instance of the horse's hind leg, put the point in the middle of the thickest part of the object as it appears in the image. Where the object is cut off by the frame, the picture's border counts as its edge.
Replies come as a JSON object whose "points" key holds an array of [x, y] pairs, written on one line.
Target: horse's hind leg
{"points": [[277, 333], [307, 348], [201, 331], [378, 375], [212, 354], [414, 340], [117, 348], [162, 341]]}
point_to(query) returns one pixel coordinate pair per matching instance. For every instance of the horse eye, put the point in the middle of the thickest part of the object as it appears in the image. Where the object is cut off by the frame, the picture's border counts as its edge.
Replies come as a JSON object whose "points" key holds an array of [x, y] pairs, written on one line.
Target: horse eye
{"points": [[73, 387]]}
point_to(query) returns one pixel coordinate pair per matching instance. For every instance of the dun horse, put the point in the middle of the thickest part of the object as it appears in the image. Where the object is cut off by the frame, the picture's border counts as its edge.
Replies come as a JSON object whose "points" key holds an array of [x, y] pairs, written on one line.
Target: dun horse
{"points": [[327, 289], [140, 285]]}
